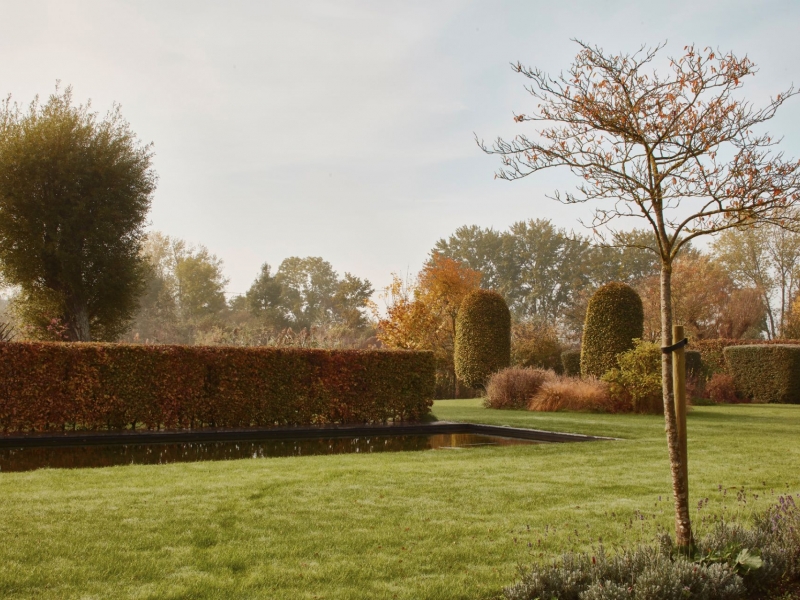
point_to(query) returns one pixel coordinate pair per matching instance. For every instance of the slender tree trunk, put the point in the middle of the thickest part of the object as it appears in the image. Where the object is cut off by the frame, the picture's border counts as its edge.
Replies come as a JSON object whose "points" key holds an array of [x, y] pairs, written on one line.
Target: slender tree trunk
{"points": [[680, 483], [78, 330]]}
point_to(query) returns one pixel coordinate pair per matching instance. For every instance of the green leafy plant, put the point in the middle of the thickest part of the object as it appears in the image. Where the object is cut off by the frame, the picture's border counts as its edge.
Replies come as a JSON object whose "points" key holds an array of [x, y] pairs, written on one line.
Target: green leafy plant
{"points": [[636, 381], [571, 362]]}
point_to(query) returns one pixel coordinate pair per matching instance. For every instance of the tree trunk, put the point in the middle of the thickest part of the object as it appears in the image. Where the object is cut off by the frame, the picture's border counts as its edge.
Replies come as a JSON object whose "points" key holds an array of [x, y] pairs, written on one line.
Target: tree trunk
{"points": [[78, 330], [680, 482]]}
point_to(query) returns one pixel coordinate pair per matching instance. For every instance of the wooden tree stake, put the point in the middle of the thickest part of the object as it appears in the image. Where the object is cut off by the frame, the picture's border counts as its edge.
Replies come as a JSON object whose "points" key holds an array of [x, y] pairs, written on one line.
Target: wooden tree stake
{"points": [[679, 386]]}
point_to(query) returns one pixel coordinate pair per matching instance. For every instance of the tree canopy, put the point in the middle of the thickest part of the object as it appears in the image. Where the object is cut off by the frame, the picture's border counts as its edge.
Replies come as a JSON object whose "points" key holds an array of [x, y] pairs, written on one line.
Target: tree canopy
{"points": [[75, 191]]}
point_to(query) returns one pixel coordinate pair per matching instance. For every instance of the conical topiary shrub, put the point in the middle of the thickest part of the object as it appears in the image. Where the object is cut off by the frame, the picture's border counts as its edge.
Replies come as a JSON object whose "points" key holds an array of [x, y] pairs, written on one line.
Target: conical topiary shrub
{"points": [[483, 337], [614, 318]]}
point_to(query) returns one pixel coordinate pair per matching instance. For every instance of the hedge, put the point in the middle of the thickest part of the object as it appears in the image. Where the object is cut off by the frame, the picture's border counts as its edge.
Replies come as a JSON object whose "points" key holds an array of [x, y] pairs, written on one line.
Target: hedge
{"points": [[766, 373], [56, 386], [713, 360]]}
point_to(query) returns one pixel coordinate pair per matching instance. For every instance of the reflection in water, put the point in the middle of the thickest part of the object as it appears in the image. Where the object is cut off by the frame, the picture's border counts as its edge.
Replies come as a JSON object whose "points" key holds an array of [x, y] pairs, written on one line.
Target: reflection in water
{"points": [[73, 457]]}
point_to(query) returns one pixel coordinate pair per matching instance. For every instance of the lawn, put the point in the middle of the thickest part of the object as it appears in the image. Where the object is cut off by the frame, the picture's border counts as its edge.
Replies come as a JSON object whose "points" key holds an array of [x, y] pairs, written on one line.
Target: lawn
{"points": [[437, 524]]}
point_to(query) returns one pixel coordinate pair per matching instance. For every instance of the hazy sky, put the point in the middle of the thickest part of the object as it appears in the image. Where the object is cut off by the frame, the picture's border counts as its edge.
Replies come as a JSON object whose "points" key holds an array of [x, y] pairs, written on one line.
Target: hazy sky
{"points": [[344, 129]]}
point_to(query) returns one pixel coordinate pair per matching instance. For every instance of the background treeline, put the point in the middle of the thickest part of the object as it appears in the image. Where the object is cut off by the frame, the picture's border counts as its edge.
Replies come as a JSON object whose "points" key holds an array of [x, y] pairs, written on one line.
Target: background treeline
{"points": [[743, 286]]}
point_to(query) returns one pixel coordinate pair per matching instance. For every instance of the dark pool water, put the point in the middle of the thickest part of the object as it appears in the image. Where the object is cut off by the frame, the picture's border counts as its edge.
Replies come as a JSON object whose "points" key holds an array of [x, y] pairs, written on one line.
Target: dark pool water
{"points": [[75, 457]]}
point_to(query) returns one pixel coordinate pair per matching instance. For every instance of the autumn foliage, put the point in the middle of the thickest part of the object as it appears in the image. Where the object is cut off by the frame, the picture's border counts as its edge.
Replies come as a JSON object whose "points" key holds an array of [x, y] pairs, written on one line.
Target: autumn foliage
{"points": [[56, 386], [421, 314]]}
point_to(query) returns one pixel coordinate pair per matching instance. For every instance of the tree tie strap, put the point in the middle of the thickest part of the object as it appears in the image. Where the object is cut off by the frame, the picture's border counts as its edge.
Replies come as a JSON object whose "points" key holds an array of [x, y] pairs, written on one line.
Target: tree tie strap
{"points": [[677, 346]]}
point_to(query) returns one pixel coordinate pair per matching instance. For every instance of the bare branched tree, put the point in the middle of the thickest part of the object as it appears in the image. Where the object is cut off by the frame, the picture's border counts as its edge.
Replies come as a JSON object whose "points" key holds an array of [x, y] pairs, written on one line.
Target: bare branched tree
{"points": [[678, 150]]}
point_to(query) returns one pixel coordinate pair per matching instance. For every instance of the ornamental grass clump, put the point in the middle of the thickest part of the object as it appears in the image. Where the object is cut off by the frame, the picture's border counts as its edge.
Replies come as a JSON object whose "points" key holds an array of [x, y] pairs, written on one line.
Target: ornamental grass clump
{"points": [[573, 394], [514, 387], [732, 562]]}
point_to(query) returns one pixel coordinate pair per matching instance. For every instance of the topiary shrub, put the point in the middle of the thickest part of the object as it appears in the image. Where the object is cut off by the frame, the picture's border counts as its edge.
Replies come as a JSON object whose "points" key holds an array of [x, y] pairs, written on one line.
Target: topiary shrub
{"points": [[483, 337], [614, 318], [765, 373], [571, 361]]}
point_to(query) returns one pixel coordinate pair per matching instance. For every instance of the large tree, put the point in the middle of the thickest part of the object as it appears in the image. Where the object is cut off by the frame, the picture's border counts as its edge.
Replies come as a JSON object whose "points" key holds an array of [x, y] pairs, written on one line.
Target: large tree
{"points": [[675, 147], [74, 195]]}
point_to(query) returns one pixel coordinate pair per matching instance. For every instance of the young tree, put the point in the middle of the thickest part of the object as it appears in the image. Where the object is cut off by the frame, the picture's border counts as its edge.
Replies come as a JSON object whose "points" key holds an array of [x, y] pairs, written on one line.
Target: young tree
{"points": [[674, 148], [74, 195]]}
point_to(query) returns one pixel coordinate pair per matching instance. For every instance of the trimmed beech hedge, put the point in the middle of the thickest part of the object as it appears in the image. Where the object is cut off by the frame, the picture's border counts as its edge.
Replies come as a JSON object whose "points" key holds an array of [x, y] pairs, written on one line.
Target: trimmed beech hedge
{"points": [[47, 386], [766, 373]]}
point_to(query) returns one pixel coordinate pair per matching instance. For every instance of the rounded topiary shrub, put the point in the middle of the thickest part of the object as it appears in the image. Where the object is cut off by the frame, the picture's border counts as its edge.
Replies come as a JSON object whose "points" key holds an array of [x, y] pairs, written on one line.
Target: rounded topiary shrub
{"points": [[483, 337], [614, 318]]}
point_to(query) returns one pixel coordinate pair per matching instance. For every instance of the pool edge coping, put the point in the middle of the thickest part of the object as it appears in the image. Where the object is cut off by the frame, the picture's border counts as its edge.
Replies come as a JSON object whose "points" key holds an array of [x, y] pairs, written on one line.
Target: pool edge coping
{"points": [[277, 433]]}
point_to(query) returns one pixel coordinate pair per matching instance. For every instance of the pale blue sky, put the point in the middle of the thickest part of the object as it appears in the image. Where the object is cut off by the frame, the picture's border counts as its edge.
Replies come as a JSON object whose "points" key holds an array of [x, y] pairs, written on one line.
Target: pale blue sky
{"points": [[344, 129]]}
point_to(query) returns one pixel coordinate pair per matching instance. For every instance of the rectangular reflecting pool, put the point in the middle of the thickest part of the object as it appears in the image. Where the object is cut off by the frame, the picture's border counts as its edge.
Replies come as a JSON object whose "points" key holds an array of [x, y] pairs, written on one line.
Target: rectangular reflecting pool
{"points": [[28, 458]]}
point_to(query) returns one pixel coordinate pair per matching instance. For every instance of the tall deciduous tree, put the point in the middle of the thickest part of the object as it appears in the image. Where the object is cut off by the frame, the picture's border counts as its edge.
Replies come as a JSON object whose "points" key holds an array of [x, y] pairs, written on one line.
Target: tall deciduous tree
{"points": [[74, 195], [674, 148]]}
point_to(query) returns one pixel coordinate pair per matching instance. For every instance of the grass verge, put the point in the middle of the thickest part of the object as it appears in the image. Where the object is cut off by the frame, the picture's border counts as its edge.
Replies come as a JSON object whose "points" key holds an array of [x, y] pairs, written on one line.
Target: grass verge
{"points": [[425, 525]]}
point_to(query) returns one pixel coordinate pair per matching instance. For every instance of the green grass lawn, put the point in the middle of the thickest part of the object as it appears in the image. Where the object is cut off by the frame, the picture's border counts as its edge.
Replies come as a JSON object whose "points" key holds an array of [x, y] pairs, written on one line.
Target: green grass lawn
{"points": [[436, 524]]}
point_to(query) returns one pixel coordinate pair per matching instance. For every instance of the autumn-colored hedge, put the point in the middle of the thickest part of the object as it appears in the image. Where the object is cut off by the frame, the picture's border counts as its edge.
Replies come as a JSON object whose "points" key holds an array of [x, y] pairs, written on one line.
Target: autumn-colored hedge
{"points": [[765, 373], [47, 386]]}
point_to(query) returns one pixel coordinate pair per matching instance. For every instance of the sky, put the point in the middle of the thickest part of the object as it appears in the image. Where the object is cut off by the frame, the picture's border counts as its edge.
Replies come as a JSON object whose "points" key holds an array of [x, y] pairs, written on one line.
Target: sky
{"points": [[346, 129]]}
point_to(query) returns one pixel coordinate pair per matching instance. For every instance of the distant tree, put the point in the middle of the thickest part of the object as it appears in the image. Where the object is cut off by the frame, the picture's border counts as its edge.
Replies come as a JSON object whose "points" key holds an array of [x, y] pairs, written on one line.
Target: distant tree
{"points": [[264, 299], [766, 258], [200, 285], [701, 293], [535, 343], [313, 295], [74, 195], [543, 270], [350, 301], [673, 147], [185, 292]]}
